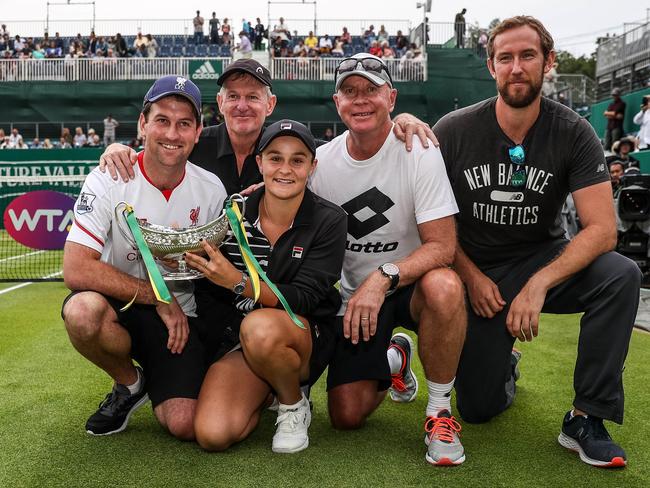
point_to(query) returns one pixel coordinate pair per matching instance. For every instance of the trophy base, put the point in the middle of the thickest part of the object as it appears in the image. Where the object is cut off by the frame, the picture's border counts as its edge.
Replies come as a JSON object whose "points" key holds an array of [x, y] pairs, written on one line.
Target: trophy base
{"points": [[189, 274]]}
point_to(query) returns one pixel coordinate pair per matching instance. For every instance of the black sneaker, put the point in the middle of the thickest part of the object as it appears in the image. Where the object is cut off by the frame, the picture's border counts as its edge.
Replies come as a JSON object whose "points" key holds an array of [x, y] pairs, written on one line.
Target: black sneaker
{"points": [[116, 409], [588, 437]]}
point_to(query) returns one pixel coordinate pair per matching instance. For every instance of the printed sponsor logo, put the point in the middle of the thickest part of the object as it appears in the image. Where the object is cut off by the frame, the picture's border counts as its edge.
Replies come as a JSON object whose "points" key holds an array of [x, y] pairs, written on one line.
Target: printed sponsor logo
{"points": [[40, 219], [205, 72], [297, 252]]}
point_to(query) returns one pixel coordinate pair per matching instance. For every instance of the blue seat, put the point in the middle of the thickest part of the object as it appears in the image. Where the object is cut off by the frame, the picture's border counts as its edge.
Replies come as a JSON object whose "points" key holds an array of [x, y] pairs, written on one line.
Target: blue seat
{"points": [[225, 51], [189, 39], [166, 40], [201, 50], [165, 51], [177, 51], [359, 49], [347, 50], [214, 50]]}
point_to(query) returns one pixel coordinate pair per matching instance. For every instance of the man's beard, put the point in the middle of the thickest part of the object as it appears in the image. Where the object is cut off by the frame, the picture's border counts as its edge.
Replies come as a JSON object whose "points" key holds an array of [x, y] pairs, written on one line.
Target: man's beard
{"points": [[521, 99]]}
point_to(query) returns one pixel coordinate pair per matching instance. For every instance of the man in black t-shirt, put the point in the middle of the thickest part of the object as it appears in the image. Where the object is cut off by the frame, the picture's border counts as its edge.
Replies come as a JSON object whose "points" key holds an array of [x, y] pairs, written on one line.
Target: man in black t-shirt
{"points": [[512, 160], [614, 114]]}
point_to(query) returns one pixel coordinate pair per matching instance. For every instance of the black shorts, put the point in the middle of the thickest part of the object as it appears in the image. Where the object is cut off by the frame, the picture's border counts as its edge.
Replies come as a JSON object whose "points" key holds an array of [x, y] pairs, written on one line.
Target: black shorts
{"points": [[367, 360], [167, 375], [223, 321]]}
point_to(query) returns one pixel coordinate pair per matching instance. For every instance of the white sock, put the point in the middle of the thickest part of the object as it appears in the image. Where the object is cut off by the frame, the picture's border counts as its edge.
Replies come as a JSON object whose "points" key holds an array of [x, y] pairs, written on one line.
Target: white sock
{"points": [[135, 387], [439, 397], [292, 407], [394, 360]]}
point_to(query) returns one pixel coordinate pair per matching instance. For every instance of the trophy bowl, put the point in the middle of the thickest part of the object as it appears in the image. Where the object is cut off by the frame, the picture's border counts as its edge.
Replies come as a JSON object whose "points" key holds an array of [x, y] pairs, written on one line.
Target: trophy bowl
{"points": [[169, 244]]}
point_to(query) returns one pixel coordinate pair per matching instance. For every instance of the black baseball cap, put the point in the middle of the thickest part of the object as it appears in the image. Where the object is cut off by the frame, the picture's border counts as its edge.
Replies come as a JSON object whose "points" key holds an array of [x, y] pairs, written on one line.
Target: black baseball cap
{"points": [[249, 66], [287, 127], [174, 85]]}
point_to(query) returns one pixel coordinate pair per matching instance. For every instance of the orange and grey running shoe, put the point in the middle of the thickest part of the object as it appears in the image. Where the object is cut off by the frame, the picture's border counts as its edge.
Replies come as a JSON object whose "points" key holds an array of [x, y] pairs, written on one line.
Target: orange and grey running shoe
{"points": [[443, 440], [404, 384]]}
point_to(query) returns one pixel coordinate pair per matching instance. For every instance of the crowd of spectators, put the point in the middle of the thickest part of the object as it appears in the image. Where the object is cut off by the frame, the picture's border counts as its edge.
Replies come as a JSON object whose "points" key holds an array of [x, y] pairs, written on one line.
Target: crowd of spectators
{"points": [[281, 42], [92, 46], [380, 43], [14, 139], [223, 32]]}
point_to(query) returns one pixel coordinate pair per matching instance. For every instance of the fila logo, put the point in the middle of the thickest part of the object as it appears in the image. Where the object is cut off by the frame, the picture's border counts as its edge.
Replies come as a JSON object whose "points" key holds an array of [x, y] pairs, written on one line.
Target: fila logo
{"points": [[297, 252], [286, 126], [205, 72]]}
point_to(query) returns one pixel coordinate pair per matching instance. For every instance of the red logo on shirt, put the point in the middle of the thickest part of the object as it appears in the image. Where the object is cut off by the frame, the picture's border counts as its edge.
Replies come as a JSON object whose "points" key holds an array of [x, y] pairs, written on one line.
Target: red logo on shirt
{"points": [[194, 215], [296, 252]]}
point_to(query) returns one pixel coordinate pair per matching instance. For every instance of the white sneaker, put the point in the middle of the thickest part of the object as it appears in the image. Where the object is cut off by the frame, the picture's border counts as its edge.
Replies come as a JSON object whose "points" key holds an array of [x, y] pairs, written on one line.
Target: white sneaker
{"points": [[293, 424]]}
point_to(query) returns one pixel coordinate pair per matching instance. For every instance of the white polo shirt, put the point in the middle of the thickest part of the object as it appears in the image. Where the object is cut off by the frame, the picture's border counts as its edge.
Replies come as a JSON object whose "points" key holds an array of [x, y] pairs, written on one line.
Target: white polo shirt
{"points": [[197, 200]]}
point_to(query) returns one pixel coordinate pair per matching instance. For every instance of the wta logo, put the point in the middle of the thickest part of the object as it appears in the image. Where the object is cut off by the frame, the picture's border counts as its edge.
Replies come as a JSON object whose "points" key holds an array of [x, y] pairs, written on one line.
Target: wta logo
{"points": [[40, 219]]}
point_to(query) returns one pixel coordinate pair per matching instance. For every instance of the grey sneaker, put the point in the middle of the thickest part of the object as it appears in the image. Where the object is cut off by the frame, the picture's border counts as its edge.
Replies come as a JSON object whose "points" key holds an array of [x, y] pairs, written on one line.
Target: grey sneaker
{"points": [[443, 440], [293, 424], [404, 384]]}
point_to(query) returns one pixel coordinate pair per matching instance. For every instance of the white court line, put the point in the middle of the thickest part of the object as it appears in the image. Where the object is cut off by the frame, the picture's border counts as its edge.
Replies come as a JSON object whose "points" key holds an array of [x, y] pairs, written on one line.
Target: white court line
{"points": [[12, 288], [20, 256]]}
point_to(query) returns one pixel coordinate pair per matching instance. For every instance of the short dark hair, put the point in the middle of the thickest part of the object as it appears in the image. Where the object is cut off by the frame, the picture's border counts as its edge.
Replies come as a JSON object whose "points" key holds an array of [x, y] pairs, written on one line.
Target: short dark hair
{"points": [[147, 108], [520, 21]]}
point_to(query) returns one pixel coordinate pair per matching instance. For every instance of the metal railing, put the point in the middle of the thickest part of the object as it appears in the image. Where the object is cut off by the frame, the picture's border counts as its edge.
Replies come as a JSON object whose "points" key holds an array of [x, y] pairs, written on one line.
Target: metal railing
{"points": [[314, 69], [578, 90], [623, 50], [95, 69]]}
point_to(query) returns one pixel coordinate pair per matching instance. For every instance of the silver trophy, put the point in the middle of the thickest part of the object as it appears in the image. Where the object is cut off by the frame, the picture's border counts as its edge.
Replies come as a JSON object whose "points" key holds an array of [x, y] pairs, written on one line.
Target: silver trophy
{"points": [[169, 244]]}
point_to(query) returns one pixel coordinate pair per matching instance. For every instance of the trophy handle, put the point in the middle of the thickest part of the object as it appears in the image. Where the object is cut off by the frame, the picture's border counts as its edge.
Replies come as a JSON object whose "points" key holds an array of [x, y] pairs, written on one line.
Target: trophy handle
{"points": [[241, 200], [119, 220]]}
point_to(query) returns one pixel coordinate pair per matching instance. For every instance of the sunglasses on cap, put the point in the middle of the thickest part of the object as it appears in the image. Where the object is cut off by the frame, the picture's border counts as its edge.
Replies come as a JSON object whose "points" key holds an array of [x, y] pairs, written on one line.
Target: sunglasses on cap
{"points": [[370, 65], [517, 156]]}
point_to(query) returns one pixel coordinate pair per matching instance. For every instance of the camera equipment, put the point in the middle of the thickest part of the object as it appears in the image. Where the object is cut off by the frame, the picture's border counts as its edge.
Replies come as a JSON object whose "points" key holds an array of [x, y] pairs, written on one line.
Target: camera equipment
{"points": [[633, 208]]}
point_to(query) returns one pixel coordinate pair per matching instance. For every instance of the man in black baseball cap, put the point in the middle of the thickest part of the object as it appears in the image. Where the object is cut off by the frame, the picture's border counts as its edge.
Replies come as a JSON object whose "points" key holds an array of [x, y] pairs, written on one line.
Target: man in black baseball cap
{"points": [[248, 66]]}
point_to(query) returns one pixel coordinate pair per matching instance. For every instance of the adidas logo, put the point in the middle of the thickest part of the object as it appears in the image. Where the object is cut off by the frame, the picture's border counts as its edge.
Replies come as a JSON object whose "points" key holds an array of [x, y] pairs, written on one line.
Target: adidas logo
{"points": [[205, 72]]}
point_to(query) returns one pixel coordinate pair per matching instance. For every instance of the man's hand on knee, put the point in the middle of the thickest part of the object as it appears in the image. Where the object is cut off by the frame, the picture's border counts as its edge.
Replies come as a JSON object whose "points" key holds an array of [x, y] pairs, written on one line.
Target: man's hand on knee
{"points": [[176, 322], [361, 314], [523, 317]]}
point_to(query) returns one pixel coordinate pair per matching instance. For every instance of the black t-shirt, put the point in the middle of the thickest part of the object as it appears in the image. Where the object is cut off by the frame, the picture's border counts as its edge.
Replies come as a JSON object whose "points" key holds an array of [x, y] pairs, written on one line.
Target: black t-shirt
{"points": [[497, 222], [214, 153]]}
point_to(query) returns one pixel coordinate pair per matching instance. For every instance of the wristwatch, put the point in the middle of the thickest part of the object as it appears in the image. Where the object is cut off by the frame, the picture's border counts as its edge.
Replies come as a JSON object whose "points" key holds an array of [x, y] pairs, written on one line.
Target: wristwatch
{"points": [[390, 271], [239, 288]]}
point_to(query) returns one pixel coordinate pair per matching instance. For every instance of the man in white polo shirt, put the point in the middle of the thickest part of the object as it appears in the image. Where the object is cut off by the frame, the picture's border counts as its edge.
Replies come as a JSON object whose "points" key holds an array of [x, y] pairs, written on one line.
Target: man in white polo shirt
{"points": [[105, 272]]}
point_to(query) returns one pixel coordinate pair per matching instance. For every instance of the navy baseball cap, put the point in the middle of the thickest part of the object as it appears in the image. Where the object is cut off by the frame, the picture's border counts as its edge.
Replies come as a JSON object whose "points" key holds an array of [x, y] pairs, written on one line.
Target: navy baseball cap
{"points": [[287, 128], [248, 66], [174, 85]]}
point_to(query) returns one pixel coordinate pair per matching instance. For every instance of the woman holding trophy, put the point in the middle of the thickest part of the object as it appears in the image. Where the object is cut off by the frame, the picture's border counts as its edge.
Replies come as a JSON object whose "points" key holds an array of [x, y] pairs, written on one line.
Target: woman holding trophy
{"points": [[299, 241]]}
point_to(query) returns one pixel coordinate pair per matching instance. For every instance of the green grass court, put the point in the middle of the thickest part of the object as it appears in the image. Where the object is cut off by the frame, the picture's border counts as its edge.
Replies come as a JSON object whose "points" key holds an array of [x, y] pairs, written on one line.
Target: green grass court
{"points": [[48, 391]]}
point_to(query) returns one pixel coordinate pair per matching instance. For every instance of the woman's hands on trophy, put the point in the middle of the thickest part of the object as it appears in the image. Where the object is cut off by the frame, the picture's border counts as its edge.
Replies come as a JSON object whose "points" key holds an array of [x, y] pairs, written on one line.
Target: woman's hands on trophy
{"points": [[214, 266]]}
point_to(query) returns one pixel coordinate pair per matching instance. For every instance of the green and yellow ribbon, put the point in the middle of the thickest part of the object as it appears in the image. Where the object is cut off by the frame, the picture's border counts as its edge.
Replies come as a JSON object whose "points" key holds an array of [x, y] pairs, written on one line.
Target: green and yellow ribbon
{"points": [[155, 278], [253, 267]]}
